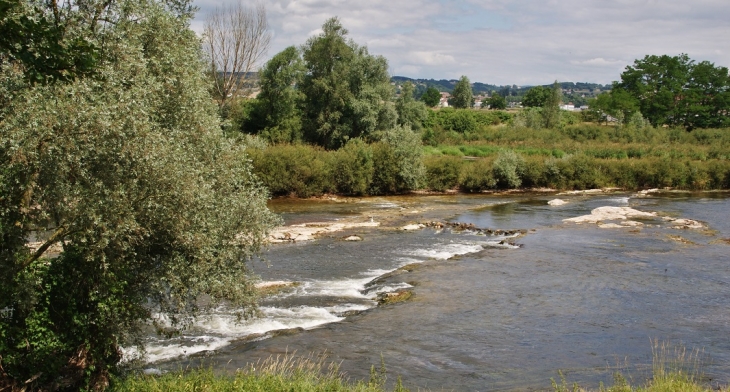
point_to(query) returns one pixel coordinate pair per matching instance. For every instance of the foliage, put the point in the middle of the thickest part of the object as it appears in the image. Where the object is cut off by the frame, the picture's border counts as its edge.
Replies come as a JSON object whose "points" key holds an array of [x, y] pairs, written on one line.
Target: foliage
{"points": [[431, 97], [531, 117], [50, 43], [497, 102], [442, 173], [619, 104], [297, 170], [536, 97], [411, 113], [477, 176], [462, 96], [676, 91], [274, 374], [398, 166], [347, 91], [551, 107], [127, 170], [508, 169], [353, 168], [390, 166], [276, 111]]}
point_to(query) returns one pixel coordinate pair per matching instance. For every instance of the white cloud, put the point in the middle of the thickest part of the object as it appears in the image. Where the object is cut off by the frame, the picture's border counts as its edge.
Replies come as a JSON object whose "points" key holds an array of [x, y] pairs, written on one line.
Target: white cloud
{"points": [[431, 58], [599, 62], [520, 41]]}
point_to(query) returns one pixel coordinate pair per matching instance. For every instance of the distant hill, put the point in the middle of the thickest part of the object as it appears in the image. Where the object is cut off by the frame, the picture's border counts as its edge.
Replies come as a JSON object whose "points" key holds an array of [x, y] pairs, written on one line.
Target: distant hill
{"points": [[578, 93]]}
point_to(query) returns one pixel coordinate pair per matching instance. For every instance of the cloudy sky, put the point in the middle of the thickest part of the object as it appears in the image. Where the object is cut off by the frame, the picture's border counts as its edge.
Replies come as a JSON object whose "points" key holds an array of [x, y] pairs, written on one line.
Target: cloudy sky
{"points": [[523, 42]]}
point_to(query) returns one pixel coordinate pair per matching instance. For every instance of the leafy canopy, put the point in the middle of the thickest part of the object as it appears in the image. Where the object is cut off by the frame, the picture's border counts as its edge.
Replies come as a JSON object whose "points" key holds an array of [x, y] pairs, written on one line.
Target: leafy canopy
{"points": [[462, 96], [125, 170], [677, 91], [431, 97], [347, 91]]}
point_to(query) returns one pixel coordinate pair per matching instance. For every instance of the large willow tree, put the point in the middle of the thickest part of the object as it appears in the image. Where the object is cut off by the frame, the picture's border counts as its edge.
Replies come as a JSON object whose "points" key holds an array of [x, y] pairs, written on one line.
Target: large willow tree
{"points": [[111, 150]]}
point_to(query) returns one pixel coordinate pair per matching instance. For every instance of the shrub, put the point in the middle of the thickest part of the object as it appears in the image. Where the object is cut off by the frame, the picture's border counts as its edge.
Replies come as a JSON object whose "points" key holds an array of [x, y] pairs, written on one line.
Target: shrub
{"points": [[477, 176], [508, 169], [298, 170], [353, 168], [397, 162], [442, 173]]}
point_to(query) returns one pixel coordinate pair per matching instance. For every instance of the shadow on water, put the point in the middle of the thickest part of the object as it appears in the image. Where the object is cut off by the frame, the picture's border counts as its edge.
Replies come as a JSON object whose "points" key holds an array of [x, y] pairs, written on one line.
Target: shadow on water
{"points": [[575, 298]]}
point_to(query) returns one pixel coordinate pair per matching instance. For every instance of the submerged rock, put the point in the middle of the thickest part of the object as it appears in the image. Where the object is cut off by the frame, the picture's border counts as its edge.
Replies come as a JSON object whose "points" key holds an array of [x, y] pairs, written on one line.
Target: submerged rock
{"points": [[685, 223], [394, 297]]}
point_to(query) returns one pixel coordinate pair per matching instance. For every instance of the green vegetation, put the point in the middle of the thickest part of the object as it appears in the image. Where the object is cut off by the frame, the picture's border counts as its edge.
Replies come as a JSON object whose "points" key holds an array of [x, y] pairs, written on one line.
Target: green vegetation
{"points": [[673, 370], [115, 152], [462, 96], [124, 168], [330, 91], [587, 156], [289, 373], [672, 91], [431, 97], [495, 102]]}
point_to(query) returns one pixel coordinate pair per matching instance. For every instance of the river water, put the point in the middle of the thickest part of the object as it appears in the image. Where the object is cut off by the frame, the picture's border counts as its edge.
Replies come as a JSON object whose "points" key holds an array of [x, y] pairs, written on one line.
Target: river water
{"points": [[486, 315]]}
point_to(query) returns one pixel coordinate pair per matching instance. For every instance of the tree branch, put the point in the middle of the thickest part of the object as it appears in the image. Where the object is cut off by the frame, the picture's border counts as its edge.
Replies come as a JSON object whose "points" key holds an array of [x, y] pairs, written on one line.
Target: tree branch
{"points": [[56, 237]]}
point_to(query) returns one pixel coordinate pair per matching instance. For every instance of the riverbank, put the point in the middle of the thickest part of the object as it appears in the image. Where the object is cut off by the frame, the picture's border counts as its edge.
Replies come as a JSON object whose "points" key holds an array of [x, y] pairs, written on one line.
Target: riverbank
{"points": [[497, 158], [313, 375]]}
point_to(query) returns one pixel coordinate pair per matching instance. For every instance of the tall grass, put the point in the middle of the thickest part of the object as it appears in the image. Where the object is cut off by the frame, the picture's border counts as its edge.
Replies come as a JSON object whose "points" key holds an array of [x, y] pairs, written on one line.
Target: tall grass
{"points": [[282, 373], [674, 369]]}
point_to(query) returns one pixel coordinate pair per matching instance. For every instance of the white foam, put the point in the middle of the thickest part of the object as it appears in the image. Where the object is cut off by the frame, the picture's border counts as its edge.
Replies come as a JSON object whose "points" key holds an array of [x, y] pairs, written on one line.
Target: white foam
{"points": [[447, 251], [214, 331]]}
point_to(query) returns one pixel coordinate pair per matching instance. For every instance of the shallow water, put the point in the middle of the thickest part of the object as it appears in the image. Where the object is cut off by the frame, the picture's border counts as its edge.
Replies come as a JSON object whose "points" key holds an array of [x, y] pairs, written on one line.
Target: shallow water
{"points": [[576, 298]]}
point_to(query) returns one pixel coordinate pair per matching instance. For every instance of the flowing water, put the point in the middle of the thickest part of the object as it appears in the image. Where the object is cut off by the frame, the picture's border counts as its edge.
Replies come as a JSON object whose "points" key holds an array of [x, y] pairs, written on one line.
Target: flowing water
{"points": [[487, 315]]}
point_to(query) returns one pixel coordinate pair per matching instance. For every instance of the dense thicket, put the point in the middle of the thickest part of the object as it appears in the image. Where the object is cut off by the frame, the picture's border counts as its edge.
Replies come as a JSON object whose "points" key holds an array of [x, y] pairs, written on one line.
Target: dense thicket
{"points": [[122, 167]]}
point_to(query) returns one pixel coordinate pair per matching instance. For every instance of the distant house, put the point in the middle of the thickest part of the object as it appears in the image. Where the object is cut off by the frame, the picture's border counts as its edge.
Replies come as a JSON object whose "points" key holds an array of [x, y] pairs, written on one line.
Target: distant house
{"points": [[444, 102]]}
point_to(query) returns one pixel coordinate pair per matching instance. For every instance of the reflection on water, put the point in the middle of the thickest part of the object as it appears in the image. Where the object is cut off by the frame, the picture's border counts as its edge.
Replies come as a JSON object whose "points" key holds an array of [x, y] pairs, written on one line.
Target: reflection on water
{"points": [[574, 297]]}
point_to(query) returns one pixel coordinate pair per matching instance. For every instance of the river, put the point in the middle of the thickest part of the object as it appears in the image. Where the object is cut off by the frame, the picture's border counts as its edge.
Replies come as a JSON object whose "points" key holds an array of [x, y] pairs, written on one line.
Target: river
{"points": [[490, 311]]}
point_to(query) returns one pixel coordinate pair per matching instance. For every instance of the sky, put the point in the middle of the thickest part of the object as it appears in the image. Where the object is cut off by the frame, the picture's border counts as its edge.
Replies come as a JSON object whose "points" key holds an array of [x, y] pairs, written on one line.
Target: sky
{"points": [[504, 42]]}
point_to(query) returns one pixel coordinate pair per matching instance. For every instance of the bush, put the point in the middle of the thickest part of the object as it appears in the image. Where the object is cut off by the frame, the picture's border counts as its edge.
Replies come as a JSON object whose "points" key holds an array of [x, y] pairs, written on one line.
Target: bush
{"points": [[397, 162], [442, 173], [298, 170], [508, 169], [477, 176], [353, 168]]}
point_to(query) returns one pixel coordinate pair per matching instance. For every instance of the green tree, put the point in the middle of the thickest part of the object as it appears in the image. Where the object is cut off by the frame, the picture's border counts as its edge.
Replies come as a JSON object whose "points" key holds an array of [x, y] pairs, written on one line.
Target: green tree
{"points": [[536, 97], [462, 96], [411, 113], [276, 111], [431, 97], [551, 107], [125, 169], [347, 91], [51, 43], [674, 90], [619, 104], [497, 102]]}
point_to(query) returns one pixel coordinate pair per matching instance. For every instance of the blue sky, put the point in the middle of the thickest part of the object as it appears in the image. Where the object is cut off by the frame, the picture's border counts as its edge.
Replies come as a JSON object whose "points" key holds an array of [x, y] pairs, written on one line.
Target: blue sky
{"points": [[523, 42]]}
